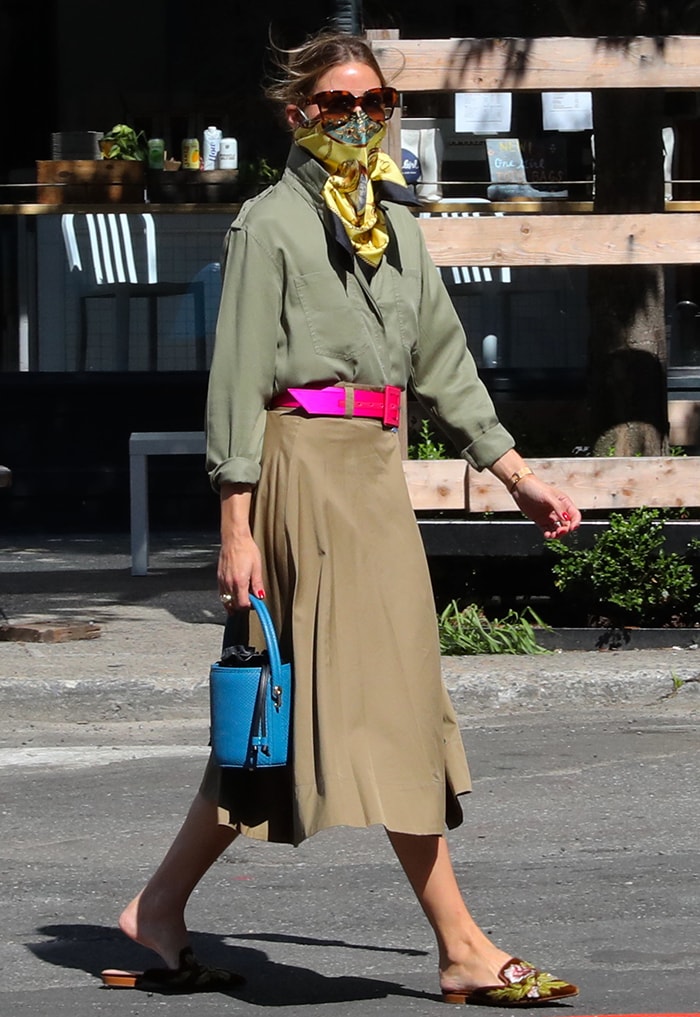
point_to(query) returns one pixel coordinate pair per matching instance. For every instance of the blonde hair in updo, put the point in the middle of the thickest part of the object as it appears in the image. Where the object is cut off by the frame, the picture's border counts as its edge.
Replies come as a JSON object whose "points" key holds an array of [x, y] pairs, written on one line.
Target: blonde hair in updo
{"points": [[300, 68]]}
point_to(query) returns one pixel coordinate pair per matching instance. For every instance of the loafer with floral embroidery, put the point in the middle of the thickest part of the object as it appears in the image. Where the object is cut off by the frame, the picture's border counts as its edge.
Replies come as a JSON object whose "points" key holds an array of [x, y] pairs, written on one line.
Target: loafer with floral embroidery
{"points": [[521, 985]]}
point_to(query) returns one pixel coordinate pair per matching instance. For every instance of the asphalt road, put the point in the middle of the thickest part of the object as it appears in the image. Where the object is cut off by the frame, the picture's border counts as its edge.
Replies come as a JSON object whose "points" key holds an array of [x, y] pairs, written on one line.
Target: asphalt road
{"points": [[579, 851]]}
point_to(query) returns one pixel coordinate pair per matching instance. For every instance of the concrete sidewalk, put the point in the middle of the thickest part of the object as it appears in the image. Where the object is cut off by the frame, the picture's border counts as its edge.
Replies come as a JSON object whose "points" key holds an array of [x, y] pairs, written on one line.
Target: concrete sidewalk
{"points": [[158, 634]]}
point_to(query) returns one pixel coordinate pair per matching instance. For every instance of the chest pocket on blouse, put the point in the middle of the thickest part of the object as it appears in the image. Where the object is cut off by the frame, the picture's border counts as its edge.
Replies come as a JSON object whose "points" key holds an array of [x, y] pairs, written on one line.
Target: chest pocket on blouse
{"points": [[334, 322]]}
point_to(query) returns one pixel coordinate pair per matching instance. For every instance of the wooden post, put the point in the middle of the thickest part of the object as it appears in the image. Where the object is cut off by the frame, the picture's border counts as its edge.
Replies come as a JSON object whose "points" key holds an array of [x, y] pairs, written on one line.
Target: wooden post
{"points": [[393, 149], [393, 138]]}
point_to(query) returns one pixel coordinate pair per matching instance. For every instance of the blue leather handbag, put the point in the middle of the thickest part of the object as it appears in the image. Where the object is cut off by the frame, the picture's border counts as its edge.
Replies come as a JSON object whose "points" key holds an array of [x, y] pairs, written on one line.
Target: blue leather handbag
{"points": [[251, 702]]}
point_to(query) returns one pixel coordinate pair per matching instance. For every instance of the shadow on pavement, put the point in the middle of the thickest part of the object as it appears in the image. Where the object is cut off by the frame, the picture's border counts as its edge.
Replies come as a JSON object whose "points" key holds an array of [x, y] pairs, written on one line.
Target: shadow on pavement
{"points": [[90, 577], [91, 948]]}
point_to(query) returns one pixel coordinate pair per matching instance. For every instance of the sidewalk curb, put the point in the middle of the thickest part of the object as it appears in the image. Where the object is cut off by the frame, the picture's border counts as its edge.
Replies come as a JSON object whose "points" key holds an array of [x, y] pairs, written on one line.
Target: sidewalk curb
{"points": [[476, 685]]}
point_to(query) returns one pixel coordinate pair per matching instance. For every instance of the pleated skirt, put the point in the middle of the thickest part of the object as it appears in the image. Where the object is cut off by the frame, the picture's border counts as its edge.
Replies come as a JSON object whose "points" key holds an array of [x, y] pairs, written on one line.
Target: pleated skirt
{"points": [[375, 738]]}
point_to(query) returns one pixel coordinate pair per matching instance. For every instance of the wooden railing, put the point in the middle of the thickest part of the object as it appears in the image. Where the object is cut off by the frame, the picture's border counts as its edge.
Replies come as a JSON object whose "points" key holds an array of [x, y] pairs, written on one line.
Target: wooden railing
{"points": [[552, 233], [605, 483], [543, 64], [462, 65]]}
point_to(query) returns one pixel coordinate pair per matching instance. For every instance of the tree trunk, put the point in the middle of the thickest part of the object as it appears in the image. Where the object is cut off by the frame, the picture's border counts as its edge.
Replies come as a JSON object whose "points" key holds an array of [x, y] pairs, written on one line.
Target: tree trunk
{"points": [[628, 387]]}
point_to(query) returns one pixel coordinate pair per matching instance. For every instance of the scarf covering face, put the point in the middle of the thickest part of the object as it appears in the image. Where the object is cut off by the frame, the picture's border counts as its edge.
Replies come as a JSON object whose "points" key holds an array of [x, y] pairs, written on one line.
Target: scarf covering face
{"points": [[351, 154]]}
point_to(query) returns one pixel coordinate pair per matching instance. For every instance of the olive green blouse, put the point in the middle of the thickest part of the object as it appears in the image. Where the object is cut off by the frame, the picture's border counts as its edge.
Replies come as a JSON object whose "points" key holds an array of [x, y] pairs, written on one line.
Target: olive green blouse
{"points": [[298, 308]]}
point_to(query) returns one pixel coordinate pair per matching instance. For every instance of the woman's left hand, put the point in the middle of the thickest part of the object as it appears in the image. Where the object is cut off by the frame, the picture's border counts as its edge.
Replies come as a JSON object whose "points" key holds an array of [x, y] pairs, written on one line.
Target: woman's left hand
{"points": [[549, 508]]}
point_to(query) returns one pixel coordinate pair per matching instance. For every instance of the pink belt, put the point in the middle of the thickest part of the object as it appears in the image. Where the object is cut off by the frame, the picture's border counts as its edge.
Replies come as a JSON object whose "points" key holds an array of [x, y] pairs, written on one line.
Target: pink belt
{"points": [[337, 401]]}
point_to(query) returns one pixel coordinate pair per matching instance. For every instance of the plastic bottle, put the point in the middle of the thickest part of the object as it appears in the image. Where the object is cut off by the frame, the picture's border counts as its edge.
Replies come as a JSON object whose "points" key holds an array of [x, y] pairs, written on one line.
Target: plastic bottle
{"points": [[228, 154]]}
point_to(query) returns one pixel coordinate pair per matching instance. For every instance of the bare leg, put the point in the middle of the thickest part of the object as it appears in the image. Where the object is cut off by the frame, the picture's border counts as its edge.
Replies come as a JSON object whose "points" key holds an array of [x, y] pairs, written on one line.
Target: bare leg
{"points": [[467, 957], [155, 918]]}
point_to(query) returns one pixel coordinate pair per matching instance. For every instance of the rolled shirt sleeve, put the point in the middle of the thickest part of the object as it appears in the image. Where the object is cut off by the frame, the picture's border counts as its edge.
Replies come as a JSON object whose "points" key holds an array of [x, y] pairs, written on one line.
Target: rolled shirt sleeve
{"points": [[241, 379]]}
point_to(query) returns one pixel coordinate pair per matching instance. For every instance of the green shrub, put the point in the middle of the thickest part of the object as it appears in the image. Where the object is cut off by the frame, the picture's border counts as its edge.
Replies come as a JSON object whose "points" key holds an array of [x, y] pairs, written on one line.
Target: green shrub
{"points": [[427, 447], [627, 573], [465, 631]]}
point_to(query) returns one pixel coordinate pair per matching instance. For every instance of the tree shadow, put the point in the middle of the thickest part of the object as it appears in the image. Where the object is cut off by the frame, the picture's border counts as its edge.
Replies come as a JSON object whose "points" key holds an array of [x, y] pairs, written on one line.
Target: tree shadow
{"points": [[91, 948], [72, 583], [473, 55]]}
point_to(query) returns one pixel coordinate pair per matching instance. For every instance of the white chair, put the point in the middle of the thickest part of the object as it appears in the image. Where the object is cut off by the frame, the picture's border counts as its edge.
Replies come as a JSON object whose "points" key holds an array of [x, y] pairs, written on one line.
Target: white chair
{"points": [[107, 256]]}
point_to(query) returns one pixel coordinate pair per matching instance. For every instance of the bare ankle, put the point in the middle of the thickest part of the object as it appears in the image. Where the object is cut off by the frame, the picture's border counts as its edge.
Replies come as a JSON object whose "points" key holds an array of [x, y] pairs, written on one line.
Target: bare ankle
{"points": [[468, 965], [159, 929]]}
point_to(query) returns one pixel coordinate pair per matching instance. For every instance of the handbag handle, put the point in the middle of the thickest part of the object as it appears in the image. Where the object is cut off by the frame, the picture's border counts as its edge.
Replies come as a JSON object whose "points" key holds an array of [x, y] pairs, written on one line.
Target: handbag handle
{"points": [[260, 740], [270, 636]]}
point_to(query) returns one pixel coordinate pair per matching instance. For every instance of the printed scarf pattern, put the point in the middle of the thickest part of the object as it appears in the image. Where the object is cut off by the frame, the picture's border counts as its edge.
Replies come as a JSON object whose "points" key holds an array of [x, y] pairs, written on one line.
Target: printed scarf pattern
{"points": [[348, 191]]}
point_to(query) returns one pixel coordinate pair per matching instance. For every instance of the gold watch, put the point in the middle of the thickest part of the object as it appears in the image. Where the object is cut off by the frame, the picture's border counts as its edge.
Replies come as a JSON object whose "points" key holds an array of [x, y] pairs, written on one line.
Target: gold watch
{"points": [[519, 475]]}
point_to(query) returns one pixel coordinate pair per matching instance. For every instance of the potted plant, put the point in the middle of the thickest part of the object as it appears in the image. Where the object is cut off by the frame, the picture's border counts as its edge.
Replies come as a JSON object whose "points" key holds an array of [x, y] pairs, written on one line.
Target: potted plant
{"points": [[123, 142], [119, 176]]}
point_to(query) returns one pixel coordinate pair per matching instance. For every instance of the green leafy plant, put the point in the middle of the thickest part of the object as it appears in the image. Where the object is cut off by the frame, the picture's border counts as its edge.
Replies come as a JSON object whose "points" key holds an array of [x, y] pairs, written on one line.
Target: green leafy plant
{"points": [[426, 447], [254, 175], [627, 574], [123, 142], [465, 631]]}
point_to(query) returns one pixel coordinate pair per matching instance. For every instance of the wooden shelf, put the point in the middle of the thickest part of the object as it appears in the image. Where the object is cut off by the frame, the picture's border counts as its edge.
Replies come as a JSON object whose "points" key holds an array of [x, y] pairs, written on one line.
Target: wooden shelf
{"points": [[165, 208]]}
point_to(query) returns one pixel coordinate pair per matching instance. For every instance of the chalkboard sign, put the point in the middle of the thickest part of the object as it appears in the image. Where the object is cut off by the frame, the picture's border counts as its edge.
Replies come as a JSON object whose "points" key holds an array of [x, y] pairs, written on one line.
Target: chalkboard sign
{"points": [[506, 165], [545, 159], [537, 160]]}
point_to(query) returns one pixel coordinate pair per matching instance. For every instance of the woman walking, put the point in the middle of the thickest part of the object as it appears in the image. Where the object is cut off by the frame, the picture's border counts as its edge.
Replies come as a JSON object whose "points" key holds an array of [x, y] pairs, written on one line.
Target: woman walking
{"points": [[331, 306]]}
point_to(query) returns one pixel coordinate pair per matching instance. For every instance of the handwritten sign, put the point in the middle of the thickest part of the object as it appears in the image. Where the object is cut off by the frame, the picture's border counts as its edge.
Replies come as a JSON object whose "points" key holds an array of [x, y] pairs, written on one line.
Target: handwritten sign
{"points": [[506, 164], [545, 159]]}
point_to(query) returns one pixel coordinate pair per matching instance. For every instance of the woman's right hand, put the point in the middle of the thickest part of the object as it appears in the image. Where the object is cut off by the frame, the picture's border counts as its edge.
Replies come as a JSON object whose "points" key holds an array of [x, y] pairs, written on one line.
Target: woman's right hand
{"points": [[240, 563], [239, 572]]}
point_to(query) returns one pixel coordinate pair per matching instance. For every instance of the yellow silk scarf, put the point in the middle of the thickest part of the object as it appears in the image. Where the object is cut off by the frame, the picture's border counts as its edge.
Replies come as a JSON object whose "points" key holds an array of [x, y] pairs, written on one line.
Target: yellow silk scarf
{"points": [[348, 192]]}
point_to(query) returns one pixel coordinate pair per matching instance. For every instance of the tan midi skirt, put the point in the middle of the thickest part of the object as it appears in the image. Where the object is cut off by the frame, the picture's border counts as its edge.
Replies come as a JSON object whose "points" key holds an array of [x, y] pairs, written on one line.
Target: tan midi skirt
{"points": [[375, 738]]}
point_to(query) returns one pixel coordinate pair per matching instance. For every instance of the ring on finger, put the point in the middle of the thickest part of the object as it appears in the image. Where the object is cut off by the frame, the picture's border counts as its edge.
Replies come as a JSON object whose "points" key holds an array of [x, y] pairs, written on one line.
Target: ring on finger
{"points": [[225, 598]]}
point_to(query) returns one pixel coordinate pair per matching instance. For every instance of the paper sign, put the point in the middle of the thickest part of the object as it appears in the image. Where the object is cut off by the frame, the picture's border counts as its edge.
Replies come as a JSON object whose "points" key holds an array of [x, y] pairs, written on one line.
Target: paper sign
{"points": [[567, 111], [482, 112]]}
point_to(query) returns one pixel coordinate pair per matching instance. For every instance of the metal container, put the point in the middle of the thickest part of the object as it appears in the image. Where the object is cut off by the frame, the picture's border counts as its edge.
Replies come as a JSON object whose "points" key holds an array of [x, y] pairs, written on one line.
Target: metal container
{"points": [[190, 153], [156, 153], [71, 145]]}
